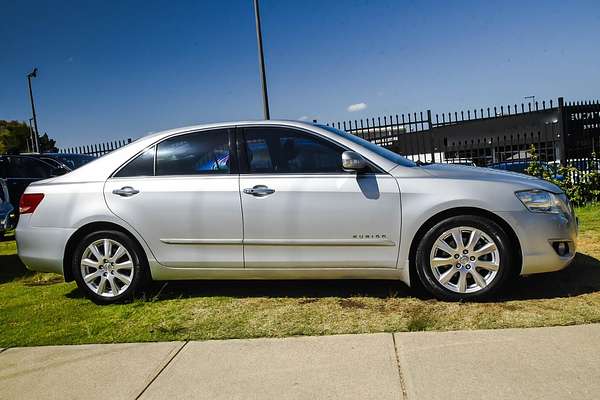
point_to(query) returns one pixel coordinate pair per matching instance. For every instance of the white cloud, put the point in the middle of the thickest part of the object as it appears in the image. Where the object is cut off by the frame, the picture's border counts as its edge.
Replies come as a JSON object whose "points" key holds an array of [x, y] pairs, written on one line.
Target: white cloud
{"points": [[357, 107], [303, 118]]}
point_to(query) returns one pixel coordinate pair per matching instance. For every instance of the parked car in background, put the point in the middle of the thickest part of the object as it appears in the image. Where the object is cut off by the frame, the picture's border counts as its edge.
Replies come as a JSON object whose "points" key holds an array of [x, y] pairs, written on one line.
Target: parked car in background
{"points": [[73, 161], [68, 160], [289, 200], [7, 211], [521, 167], [19, 171], [460, 161]]}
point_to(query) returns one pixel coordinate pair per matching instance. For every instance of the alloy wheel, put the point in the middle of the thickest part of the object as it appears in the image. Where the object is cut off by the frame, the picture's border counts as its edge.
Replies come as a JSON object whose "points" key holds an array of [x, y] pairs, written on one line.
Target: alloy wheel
{"points": [[107, 267], [464, 259]]}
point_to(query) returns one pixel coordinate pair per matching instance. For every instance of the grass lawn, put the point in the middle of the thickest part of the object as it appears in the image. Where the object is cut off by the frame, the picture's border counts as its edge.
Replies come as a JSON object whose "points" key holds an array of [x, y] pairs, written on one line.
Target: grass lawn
{"points": [[40, 309]]}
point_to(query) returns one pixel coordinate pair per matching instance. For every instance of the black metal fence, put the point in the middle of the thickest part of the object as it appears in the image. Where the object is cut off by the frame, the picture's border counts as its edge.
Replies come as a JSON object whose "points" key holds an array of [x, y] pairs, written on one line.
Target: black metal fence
{"points": [[501, 136], [96, 150], [561, 133]]}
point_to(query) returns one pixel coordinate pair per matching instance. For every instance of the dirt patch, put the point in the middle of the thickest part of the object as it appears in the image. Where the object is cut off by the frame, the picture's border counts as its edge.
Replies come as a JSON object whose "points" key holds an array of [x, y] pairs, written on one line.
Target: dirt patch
{"points": [[350, 303]]}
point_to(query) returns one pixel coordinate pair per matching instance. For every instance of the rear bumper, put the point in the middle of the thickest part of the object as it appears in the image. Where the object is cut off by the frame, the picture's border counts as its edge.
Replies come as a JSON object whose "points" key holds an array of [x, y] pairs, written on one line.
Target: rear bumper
{"points": [[536, 233], [41, 249]]}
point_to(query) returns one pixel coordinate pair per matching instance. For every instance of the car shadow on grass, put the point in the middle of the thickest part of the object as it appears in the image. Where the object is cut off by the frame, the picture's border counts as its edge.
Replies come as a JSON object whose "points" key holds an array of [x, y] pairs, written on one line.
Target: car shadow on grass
{"points": [[12, 268], [306, 289], [581, 277]]}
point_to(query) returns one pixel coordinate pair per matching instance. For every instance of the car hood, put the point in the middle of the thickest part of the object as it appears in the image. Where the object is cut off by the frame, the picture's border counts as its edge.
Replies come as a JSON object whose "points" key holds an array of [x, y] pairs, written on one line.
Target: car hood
{"points": [[450, 171]]}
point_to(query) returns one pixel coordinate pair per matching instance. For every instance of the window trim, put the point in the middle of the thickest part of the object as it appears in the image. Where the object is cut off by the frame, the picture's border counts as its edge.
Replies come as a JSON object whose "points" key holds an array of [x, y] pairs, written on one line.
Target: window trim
{"points": [[244, 166]]}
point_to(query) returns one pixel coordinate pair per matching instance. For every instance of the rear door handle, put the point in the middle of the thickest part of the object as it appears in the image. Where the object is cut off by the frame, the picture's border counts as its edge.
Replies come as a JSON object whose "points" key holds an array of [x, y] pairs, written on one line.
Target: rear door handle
{"points": [[126, 191], [259, 191]]}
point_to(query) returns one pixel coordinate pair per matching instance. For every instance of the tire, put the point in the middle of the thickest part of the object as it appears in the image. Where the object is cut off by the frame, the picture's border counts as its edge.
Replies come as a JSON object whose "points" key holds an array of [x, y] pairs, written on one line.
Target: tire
{"points": [[114, 276], [471, 271]]}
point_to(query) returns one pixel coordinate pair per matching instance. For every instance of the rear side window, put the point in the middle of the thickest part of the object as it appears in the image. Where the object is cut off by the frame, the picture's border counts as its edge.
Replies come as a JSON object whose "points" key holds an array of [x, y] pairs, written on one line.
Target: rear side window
{"points": [[142, 165], [200, 153], [284, 150]]}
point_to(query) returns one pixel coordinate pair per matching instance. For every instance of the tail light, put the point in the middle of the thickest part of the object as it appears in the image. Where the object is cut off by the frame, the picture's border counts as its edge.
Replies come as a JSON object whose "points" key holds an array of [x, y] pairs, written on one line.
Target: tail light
{"points": [[29, 202]]}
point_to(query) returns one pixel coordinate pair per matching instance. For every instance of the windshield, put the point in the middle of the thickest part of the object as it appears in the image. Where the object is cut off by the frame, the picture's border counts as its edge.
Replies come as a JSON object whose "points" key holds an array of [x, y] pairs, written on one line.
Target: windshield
{"points": [[385, 153]]}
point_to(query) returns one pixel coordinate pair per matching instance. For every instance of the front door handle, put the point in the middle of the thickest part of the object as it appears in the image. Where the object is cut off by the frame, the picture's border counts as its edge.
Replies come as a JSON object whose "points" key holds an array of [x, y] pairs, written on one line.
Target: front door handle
{"points": [[126, 191], [259, 191]]}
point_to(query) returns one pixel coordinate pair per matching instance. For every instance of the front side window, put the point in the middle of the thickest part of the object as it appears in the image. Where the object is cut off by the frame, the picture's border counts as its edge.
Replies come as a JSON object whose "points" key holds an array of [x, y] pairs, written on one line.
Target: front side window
{"points": [[199, 153], [382, 152], [284, 150]]}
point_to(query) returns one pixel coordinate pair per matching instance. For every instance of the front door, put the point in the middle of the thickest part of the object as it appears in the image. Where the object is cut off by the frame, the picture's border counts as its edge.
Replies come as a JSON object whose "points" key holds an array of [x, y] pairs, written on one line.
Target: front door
{"points": [[182, 196], [302, 210]]}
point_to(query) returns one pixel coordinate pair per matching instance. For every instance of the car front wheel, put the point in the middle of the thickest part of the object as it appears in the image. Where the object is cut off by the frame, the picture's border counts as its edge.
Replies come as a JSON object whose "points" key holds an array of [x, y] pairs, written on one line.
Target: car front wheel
{"points": [[464, 258], [109, 267]]}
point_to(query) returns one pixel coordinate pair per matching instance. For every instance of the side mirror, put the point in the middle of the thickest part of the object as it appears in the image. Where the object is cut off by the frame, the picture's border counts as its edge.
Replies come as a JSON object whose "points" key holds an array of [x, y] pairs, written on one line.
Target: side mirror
{"points": [[58, 171], [352, 161]]}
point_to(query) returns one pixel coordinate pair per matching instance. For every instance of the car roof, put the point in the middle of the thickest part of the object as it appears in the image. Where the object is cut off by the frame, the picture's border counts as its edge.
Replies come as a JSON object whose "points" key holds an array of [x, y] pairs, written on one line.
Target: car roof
{"points": [[230, 124]]}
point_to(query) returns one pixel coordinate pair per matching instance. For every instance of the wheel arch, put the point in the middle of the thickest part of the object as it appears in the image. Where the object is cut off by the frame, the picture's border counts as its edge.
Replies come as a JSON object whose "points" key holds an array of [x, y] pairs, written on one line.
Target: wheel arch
{"points": [[87, 229], [457, 211]]}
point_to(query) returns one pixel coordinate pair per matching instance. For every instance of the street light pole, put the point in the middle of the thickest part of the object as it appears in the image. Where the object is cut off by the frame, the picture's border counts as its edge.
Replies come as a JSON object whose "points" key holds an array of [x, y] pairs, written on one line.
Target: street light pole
{"points": [[31, 136], [261, 61], [33, 74]]}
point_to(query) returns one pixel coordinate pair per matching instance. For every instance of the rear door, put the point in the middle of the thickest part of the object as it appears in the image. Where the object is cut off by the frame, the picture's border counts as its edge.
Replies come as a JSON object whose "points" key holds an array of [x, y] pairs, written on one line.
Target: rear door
{"points": [[302, 210], [182, 196]]}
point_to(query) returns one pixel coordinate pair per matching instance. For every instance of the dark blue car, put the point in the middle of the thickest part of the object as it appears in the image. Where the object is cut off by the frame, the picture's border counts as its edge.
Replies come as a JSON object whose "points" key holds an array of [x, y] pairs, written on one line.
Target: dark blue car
{"points": [[7, 211]]}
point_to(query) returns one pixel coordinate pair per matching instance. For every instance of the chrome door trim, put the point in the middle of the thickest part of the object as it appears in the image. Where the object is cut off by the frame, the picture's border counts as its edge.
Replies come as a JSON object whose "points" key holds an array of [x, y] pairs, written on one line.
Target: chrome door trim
{"points": [[284, 242], [202, 241], [319, 242]]}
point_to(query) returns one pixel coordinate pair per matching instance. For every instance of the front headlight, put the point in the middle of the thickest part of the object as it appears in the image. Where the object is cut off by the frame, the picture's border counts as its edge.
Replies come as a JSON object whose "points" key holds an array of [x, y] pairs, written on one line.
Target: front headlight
{"points": [[542, 201]]}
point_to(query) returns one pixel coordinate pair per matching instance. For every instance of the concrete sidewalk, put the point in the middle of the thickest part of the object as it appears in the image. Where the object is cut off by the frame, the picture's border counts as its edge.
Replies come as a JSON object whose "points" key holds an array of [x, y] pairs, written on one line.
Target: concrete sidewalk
{"points": [[539, 363]]}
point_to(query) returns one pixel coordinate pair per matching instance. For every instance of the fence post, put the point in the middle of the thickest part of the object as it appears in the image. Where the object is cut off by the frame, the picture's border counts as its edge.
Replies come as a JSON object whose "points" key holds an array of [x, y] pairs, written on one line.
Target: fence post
{"points": [[430, 126], [562, 126]]}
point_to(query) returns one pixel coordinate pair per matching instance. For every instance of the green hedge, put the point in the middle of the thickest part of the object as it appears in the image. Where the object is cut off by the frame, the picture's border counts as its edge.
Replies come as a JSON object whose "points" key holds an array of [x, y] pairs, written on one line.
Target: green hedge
{"points": [[581, 187]]}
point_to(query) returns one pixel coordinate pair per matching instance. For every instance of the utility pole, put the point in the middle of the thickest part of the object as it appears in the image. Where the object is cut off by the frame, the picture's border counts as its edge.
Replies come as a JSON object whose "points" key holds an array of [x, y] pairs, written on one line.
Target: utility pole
{"points": [[261, 61], [33, 74]]}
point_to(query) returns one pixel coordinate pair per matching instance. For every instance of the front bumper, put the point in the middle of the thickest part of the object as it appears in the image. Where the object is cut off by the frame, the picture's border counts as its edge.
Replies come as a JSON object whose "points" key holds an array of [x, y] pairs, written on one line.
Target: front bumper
{"points": [[536, 233], [41, 249]]}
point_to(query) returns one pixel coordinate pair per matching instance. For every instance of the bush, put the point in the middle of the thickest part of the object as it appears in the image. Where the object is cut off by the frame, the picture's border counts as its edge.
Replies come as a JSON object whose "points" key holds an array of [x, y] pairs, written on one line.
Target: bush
{"points": [[582, 187]]}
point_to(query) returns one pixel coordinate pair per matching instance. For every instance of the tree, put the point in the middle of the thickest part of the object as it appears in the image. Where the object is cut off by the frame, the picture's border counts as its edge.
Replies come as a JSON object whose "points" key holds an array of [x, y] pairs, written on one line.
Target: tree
{"points": [[47, 145], [15, 135]]}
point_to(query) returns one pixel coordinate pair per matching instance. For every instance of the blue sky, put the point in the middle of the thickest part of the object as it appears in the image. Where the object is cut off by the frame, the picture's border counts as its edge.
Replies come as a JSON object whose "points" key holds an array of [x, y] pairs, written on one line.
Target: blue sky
{"points": [[113, 70]]}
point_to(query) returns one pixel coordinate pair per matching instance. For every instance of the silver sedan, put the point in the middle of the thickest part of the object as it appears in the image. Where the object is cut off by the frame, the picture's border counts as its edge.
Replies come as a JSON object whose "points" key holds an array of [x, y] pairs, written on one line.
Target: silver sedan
{"points": [[289, 200]]}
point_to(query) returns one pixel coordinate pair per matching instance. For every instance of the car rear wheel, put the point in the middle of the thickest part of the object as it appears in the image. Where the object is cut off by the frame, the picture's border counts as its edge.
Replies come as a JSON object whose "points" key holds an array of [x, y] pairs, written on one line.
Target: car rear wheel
{"points": [[464, 258], [109, 267]]}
